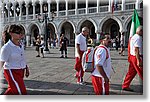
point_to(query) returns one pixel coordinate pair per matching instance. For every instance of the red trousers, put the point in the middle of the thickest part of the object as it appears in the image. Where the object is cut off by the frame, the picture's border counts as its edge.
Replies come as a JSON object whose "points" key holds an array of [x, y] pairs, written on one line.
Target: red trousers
{"points": [[80, 72], [16, 86], [133, 70], [100, 87], [78, 68]]}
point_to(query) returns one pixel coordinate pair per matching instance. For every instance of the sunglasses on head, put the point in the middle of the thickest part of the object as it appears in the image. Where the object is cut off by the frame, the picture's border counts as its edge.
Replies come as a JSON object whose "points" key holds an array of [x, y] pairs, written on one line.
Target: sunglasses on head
{"points": [[18, 33]]}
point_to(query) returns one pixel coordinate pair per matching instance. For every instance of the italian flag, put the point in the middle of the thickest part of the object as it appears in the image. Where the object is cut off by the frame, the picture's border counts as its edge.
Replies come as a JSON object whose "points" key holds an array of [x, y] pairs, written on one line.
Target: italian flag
{"points": [[134, 25]]}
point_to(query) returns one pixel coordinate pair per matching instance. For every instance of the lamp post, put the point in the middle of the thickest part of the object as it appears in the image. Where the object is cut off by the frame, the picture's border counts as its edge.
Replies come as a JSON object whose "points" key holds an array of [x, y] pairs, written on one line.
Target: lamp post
{"points": [[45, 19]]}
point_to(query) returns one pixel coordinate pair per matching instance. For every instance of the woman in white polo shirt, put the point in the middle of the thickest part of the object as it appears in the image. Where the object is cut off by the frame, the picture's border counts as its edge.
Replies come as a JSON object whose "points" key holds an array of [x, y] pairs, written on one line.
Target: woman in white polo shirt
{"points": [[12, 58], [102, 64]]}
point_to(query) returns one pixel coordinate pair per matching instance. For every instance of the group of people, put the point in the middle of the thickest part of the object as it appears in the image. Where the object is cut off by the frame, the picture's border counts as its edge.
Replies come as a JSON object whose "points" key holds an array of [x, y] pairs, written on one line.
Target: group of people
{"points": [[102, 66], [116, 44], [12, 60], [39, 43]]}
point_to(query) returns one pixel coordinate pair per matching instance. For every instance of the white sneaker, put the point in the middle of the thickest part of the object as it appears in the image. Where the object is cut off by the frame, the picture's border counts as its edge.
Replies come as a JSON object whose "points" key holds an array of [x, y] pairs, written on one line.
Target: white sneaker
{"points": [[81, 83]]}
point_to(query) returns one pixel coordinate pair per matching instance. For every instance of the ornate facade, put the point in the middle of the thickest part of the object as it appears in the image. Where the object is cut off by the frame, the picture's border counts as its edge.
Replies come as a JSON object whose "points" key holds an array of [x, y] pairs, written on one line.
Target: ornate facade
{"points": [[70, 17]]}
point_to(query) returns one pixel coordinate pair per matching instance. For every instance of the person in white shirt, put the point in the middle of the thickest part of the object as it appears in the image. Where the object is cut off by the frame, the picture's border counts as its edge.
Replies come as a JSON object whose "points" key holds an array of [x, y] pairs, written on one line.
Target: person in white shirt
{"points": [[42, 46], [102, 67], [80, 47], [122, 44], [12, 59], [135, 59]]}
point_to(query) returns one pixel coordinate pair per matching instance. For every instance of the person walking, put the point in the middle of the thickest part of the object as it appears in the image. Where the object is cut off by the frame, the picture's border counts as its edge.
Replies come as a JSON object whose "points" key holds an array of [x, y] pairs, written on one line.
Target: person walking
{"points": [[42, 46], [80, 47], [12, 59], [117, 42], [122, 44], [63, 46], [135, 59], [37, 43], [102, 67]]}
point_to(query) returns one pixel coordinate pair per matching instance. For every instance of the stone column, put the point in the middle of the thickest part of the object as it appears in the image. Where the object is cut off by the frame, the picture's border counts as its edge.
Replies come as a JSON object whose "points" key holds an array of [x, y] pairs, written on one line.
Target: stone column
{"points": [[137, 5], [27, 10], [57, 7], [20, 15], [123, 5], [66, 7], [49, 10], [8, 8], [76, 7], [98, 36], [41, 8], [27, 40], [34, 16], [14, 8], [97, 6], [110, 6], [86, 7]]}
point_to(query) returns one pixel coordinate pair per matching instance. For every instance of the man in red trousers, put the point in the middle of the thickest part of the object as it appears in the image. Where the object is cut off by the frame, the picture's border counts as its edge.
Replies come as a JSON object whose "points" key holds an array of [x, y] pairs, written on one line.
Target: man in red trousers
{"points": [[135, 59]]}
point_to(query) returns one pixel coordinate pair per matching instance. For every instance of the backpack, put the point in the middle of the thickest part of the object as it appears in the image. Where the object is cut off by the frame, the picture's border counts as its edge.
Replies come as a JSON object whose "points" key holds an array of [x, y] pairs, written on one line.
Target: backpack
{"points": [[88, 59]]}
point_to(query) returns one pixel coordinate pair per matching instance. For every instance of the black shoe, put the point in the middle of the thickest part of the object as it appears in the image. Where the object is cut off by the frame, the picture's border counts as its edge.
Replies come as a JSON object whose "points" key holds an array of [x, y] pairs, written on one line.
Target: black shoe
{"points": [[127, 89], [38, 56], [66, 57]]}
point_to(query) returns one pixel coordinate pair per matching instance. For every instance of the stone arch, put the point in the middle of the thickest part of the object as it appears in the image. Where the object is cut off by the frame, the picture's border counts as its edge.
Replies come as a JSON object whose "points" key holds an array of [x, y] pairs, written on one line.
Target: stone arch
{"points": [[127, 21], [64, 21], [111, 17], [49, 23], [30, 28], [68, 28], [86, 19]]}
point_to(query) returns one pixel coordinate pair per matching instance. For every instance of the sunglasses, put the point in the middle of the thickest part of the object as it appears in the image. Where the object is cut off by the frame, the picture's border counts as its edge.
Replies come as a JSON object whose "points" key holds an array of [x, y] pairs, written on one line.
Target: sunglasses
{"points": [[18, 33]]}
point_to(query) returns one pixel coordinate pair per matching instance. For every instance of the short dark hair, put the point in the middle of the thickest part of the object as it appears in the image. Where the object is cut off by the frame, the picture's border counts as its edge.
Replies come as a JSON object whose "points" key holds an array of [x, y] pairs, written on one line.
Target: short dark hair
{"points": [[15, 28], [103, 36]]}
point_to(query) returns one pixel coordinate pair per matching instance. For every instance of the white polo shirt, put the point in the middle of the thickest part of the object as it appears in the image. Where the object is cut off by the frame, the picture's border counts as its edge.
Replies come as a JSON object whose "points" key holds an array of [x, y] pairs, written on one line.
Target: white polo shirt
{"points": [[13, 56], [136, 41], [80, 39], [100, 59]]}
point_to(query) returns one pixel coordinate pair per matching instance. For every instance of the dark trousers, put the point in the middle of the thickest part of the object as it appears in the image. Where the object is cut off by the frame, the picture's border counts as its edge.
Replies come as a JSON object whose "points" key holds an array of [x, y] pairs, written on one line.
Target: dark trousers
{"points": [[62, 52]]}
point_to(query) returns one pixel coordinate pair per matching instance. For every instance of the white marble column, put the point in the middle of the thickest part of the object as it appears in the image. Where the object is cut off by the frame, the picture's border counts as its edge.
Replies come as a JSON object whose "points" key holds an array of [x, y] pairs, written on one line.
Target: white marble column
{"points": [[49, 8], [14, 8], [86, 11], [27, 10], [41, 8], [98, 36], [66, 7], [97, 6], [137, 5], [8, 8], [33, 4], [20, 15], [28, 40], [76, 7], [123, 5], [57, 8], [110, 6]]}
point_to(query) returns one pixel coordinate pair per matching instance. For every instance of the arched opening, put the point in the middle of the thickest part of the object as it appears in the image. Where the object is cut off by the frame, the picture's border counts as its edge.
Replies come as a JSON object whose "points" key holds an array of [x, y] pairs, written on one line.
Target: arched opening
{"points": [[34, 32], [112, 27], [91, 27], [67, 30], [51, 32]]}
